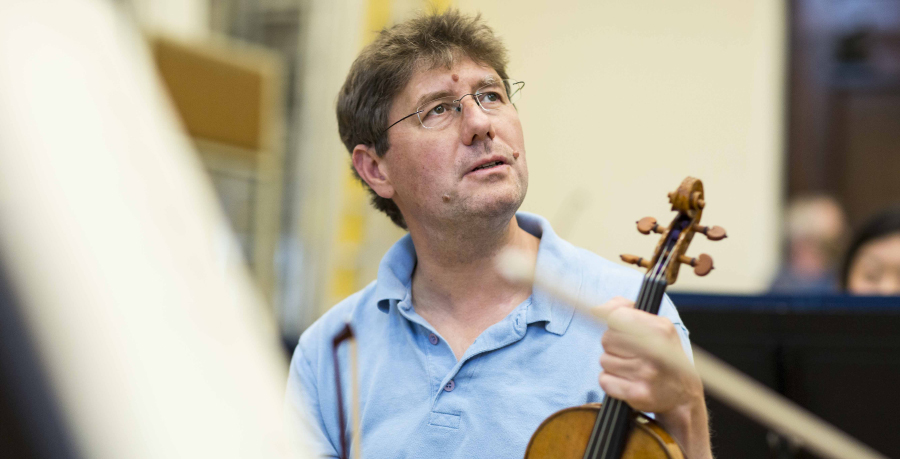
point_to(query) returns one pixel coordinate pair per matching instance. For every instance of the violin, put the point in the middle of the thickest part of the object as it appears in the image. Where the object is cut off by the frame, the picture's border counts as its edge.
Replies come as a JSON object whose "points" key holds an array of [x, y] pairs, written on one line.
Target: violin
{"points": [[612, 429]]}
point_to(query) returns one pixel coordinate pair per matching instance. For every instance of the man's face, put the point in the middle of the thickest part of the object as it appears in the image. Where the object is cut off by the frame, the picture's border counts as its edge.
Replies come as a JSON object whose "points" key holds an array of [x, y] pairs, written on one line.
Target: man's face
{"points": [[433, 171]]}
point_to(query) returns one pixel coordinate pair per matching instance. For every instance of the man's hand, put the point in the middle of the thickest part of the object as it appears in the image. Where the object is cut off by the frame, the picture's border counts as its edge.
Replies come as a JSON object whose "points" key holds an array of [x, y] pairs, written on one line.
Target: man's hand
{"points": [[644, 365]]}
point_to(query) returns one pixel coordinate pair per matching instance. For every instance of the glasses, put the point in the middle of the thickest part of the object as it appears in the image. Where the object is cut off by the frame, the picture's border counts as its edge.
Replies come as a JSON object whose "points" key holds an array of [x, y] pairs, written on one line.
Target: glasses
{"points": [[441, 112]]}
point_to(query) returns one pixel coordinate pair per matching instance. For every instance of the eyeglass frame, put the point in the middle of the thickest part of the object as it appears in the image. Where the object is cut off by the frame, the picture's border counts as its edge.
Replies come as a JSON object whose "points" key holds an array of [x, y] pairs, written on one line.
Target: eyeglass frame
{"points": [[458, 101]]}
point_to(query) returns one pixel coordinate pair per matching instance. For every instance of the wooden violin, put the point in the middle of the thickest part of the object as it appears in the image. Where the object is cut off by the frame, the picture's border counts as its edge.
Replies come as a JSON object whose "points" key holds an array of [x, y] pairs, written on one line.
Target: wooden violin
{"points": [[613, 430]]}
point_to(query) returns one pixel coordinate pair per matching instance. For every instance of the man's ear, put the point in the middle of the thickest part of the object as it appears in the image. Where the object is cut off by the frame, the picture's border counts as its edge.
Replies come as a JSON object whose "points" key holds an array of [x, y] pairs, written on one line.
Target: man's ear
{"points": [[372, 169]]}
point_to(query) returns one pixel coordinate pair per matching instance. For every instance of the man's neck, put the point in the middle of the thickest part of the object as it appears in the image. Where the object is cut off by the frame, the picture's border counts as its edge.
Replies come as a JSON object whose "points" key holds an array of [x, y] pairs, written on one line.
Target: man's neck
{"points": [[456, 286]]}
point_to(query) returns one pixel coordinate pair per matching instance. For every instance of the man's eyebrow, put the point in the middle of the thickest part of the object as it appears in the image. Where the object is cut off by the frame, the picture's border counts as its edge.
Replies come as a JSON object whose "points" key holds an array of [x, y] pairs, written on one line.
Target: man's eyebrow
{"points": [[487, 81], [432, 96]]}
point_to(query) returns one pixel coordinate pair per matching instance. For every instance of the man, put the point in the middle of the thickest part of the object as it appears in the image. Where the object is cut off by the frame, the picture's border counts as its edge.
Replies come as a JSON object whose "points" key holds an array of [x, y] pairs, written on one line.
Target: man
{"points": [[453, 360]]}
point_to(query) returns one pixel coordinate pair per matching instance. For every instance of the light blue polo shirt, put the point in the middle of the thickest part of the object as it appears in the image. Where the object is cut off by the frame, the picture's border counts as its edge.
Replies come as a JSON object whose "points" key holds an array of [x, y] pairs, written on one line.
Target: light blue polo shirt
{"points": [[418, 401]]}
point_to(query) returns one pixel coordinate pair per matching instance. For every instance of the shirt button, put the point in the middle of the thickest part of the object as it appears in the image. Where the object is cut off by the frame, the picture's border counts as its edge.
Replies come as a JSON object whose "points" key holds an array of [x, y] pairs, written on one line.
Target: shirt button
{"points": [[450, 385], [433, 339]]}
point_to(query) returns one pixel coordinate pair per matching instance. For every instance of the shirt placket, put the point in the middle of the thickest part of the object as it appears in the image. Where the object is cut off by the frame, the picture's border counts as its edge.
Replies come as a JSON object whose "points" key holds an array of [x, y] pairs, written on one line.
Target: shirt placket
{"points": [[443, 369], [439, 358]]}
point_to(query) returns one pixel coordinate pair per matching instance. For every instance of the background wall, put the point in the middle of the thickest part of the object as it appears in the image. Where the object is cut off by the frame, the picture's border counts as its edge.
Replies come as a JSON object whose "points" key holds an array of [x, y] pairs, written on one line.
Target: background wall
{"points": [[625, 99]]}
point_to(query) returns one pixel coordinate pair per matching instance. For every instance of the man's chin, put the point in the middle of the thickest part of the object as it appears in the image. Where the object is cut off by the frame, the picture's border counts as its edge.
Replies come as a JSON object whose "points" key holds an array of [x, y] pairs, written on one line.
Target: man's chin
{"points": [[501, 207]]}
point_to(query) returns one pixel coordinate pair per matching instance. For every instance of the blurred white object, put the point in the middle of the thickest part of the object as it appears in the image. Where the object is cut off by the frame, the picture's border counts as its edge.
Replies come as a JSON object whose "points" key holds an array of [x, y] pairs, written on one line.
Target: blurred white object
{"points": [[154, 339]]}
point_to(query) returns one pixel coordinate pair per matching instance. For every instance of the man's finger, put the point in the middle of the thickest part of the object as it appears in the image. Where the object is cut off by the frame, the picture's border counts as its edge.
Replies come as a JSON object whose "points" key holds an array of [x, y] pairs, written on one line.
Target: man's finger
{"points": [[630, 319], [627, 368], [621, 344], [614, 303], [634, 393], [640, 323]]}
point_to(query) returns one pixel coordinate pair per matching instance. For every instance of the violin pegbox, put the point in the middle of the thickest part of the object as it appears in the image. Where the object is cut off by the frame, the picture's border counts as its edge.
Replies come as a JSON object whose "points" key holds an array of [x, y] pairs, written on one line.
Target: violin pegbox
{"points": [[688, 200]]}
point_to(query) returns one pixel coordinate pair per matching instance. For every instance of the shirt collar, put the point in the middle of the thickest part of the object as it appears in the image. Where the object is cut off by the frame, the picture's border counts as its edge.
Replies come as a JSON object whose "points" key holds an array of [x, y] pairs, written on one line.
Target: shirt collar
{"points": [[556, 258], [395, 273], [559, 260]]}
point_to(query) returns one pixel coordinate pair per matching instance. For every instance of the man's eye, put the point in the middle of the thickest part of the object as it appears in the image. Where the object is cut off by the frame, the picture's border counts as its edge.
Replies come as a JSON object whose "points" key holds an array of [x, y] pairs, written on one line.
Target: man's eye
{"points": [[439, 109], [490, 97]]}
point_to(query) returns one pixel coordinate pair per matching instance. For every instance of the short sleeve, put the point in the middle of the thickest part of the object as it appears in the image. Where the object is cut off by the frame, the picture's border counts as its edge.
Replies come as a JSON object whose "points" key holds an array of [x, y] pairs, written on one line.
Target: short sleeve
{"points": [[302, 411], [667, 309]]}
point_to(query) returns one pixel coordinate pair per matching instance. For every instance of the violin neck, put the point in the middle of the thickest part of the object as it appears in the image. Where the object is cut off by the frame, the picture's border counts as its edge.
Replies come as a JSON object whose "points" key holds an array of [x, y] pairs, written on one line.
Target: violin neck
{"points": [[652, 290], [614, 420]]}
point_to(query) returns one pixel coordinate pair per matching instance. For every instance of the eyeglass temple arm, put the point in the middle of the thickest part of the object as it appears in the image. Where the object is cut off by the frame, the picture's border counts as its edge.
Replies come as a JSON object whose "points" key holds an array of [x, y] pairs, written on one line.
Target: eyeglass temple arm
{"points": [[398, 121]]}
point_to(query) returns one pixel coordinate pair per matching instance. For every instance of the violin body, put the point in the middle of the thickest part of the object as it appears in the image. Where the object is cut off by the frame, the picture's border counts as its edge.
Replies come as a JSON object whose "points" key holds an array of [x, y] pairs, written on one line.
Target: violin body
{"points": [[565, 435]]}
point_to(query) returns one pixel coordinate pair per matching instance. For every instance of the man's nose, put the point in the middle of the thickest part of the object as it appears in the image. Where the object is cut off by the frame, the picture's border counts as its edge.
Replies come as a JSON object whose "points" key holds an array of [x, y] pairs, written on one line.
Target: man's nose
{"points": [[476, 122]]}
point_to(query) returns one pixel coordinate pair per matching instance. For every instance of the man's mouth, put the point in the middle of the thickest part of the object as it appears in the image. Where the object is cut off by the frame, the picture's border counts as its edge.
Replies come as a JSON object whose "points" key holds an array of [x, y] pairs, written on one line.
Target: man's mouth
{"points": [[489, 165]]}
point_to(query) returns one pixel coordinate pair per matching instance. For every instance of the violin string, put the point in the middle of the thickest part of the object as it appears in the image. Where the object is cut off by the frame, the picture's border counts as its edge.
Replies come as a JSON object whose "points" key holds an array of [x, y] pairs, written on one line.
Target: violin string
{"points": [[608, 412], [615, 408], [645, 300], [645, 303], [601, 427], [659, 286]]}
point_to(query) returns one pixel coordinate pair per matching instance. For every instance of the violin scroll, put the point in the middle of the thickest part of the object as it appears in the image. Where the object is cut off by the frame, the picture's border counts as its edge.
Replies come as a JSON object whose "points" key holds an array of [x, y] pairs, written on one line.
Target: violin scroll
{"points": [[689, 201]]}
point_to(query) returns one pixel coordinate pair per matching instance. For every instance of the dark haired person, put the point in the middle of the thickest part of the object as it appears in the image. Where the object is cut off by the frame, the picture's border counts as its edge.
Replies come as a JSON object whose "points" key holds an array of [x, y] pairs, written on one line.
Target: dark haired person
{"points": [[453, 361], [872, 263]]}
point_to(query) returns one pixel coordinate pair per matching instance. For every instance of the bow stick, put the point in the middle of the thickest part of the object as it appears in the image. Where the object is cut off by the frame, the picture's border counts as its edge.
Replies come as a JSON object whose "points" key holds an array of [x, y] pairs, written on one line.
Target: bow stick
{"points": [[346, 334]]}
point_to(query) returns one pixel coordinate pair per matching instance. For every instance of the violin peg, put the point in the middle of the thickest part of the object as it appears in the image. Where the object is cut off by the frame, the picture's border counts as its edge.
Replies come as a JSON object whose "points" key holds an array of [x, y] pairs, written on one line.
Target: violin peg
{"points": [[648, 224], [636, 260], [702, 265], [714, 233], [696, 201]]}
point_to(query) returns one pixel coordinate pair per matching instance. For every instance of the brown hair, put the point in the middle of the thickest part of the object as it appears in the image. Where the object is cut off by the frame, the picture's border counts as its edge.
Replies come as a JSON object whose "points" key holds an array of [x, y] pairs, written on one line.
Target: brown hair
{"points": [[384, 68]]}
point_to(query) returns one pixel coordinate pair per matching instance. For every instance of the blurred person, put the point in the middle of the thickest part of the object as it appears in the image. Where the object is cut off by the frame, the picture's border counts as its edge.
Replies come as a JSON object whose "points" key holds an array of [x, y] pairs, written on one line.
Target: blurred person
{"points": [[815, 226], [454, 360], [871, 265]]}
